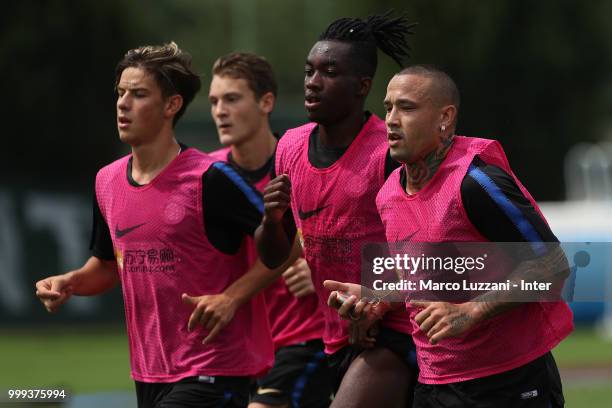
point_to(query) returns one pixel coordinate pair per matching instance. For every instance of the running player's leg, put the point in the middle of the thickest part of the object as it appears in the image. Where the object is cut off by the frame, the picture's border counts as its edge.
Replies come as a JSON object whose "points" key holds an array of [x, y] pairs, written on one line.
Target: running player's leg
{"points": [[299, 378], [204, 392], [382, 376], [376, 378]]}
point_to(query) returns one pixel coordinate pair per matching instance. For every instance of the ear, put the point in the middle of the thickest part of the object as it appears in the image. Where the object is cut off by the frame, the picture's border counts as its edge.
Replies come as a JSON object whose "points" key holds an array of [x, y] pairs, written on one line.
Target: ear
{"points": [[266, 102], [365, 84], [448, 114], [173, 104]]}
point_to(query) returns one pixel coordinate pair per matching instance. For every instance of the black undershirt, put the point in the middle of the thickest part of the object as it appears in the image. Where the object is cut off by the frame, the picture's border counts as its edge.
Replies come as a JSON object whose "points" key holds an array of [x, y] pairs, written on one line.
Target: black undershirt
{"points": [[228, 214], [486, 216], [321, 156], [254, 176]]}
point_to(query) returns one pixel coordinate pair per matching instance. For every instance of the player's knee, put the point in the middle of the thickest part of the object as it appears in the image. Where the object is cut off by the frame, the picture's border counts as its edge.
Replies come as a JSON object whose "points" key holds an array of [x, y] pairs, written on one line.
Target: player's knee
{"points": [[384, 360]]}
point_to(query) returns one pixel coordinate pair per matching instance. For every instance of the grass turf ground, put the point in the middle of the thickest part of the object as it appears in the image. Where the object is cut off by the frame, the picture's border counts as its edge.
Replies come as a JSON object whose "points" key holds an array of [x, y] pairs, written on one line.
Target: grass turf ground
{"points": [[95, 359], [585, 362], [83, 359]]}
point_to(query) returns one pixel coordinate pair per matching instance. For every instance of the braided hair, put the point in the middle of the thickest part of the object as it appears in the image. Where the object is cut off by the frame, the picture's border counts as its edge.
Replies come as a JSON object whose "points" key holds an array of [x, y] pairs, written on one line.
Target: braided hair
{"points": [[376, 31]]}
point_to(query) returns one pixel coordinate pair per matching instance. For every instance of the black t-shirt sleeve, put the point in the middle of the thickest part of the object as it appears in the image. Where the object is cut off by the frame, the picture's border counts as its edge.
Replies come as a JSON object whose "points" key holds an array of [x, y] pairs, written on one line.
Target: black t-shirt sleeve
{"points": [[101, 243], [496, 206], [232, 207], [390, 164]]}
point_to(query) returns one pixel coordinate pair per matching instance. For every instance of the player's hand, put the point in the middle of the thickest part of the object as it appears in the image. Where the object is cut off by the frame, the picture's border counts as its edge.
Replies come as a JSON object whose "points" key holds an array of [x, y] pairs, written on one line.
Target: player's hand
{"points": [[213, 312], [364, 326], [353, 303], [343, 296], [298, 280], [440, 320], [276, 198], [363, 332], [54, 291], [365, 317]]}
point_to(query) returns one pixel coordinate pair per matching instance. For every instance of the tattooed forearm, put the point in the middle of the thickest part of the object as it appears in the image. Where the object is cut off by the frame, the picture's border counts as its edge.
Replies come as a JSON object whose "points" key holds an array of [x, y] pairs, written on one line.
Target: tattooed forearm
{"points": [[552, 267]]}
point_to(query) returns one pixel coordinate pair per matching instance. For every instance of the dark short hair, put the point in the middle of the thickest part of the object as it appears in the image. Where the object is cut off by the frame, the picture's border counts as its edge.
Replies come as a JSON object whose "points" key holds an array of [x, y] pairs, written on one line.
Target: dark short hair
{"points": [[254, 69], [171, 68], [366, 35], [445, 89]]}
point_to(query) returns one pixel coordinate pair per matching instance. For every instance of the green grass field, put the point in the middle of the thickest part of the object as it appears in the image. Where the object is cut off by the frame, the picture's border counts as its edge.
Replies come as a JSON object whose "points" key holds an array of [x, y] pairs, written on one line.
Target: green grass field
{"points": [[585, 362], [584, 348], [89, 360], [82, 359]]}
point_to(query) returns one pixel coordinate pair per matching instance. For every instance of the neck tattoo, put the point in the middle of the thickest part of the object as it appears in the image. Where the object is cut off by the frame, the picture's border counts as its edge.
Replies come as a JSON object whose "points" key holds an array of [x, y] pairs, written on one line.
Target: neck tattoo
{"points": [[419, 173]]}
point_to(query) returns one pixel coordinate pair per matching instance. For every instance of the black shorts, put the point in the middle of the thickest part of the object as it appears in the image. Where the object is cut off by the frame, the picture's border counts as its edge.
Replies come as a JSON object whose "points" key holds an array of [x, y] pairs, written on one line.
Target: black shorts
{"points": [[200, 392], [300, 378], [397, 342], [534, 385]]}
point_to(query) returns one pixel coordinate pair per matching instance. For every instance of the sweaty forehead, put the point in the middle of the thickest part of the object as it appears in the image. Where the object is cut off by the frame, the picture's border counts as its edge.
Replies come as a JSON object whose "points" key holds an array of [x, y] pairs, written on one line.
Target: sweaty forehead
{"points": [[336, 52]]}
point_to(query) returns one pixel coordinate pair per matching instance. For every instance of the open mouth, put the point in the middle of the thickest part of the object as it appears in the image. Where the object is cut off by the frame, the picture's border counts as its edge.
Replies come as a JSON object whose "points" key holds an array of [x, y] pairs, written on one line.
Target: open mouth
{"points": [[312, 101], [123, 122], [392, 136]]}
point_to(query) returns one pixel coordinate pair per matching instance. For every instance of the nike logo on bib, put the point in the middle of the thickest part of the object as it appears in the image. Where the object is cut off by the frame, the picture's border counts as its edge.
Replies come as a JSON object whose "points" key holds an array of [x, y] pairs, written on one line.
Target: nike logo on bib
{"points": [[121, 232], [304, 215]]}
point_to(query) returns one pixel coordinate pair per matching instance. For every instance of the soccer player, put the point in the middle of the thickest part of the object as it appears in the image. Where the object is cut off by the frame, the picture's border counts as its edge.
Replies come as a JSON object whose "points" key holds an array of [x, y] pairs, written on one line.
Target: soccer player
{"points": [[488, 352], [162, 218], [242, 96], [329, 173]]}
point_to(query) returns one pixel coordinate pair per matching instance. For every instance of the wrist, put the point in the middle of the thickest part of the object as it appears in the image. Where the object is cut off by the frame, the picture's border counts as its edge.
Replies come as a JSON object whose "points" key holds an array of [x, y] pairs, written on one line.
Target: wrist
{"points": [[72, 279], [232, 299], [268, 221], [475, 310]]}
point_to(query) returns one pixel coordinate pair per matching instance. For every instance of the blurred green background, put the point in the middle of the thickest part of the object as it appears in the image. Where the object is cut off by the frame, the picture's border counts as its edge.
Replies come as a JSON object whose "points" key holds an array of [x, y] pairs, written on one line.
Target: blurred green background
{"points": [[536, 75], [94, 360]]}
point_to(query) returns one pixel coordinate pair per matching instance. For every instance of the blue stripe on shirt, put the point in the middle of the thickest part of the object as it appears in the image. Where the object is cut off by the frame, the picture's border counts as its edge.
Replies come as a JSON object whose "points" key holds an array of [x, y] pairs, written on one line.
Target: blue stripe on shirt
{"points": [[509, 208], [253, 196]]}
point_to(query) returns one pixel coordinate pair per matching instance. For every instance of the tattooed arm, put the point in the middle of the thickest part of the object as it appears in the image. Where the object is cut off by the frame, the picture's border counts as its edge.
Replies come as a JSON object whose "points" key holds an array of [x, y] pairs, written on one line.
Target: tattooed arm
{"points": [[440, 320]]}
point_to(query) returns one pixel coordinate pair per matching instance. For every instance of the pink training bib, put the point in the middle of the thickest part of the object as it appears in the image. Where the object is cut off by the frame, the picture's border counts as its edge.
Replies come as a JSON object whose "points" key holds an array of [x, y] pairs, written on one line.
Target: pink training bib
{"points": [[335, 211], [162, 251], [436, 214]]}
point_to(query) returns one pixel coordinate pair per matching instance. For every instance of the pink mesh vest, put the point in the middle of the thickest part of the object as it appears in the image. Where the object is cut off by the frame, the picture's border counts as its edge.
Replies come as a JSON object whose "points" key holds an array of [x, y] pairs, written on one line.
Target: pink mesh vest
{"points": [[436, 214], [162, 251], [291, 320], [335, 212]]}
